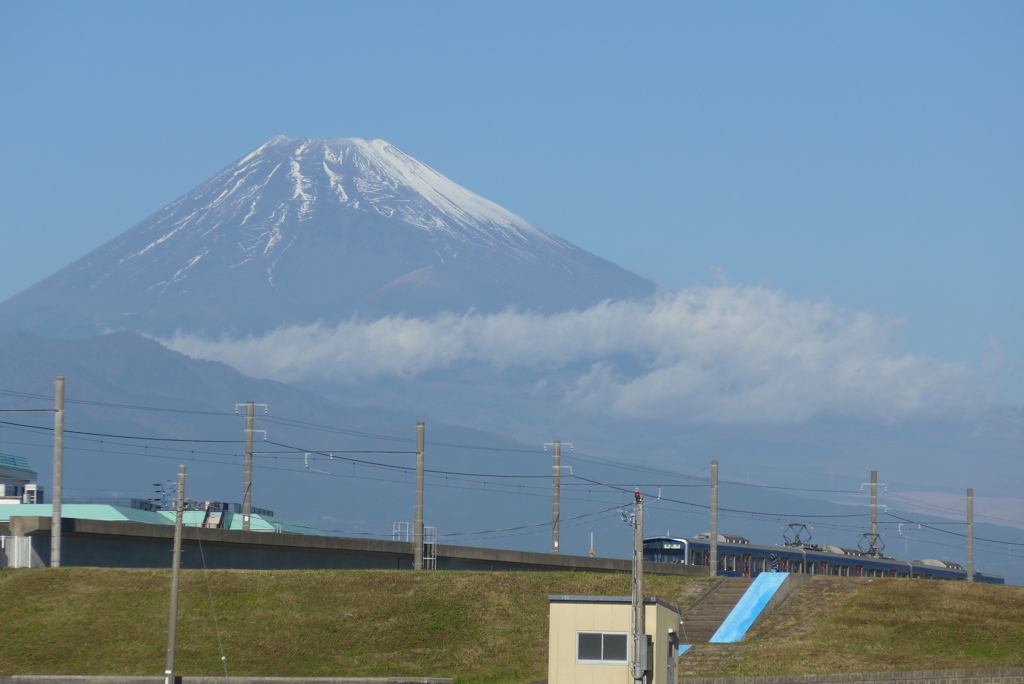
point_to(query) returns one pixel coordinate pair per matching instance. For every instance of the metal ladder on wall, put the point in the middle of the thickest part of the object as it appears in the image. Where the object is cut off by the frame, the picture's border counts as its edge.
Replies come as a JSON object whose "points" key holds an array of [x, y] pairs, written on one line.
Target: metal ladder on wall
{"points": [[15, 552], [403, 531]]}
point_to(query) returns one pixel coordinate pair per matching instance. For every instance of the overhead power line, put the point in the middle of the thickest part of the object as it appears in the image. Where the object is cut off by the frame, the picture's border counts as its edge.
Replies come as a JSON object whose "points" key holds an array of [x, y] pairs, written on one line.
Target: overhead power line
{"points": [[930, 526], [524, 527], [458, 479]]}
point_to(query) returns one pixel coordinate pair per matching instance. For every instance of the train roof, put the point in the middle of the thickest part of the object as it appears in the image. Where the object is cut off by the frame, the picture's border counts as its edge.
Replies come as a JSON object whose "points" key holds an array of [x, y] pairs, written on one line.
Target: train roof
{"points": [[795, 550]]}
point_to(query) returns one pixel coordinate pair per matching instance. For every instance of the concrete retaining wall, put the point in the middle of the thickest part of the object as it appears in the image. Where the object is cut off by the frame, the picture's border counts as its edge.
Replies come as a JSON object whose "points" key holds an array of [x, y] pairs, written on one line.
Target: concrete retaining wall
{"points": [[121, 544], [1007, 675]]}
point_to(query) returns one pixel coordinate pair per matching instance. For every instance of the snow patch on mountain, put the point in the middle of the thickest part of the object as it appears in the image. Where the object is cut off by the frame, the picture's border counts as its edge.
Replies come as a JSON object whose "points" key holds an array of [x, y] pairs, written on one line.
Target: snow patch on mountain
{"points": [[362, 175], [385, 168]]}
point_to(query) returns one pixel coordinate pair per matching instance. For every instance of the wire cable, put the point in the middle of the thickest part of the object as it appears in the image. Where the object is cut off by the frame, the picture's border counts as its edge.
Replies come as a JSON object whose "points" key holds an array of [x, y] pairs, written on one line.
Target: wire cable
{"points": [[523, 527], [213, 609]]}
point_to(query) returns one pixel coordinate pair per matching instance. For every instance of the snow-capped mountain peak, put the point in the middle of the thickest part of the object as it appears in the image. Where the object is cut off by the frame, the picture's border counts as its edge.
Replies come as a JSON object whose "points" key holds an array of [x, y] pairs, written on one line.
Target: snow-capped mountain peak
{"points": [[375, 176], [302, 230]]}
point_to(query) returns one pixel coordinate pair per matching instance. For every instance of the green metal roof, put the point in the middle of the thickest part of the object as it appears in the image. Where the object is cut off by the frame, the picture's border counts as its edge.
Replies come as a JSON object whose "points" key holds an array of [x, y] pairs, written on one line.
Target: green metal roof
{"points": [[257, 523], [16, 462], [84, 512]]}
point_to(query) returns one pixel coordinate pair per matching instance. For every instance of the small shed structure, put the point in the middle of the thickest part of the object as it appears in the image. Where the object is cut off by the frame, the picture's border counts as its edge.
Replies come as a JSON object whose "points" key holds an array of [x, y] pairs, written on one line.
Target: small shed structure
{"points": [[588, 640]]}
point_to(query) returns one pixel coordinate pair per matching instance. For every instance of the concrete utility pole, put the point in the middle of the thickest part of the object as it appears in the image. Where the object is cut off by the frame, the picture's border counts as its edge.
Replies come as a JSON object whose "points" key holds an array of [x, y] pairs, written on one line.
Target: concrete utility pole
{"points": [[417, 552], [638, 627], [970, 534], [250, 418], [172, 620], [556, 493], [58, 472], [713, 561]]}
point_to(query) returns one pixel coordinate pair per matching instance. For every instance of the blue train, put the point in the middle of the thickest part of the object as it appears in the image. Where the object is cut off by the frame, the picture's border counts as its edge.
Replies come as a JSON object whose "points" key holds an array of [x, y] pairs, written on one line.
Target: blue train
{"points": [[737, 557]]}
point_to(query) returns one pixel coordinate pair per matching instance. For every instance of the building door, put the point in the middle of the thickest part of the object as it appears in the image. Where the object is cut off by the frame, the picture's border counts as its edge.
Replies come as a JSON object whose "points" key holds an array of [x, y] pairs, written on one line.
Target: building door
{"points": [[673, 657]]}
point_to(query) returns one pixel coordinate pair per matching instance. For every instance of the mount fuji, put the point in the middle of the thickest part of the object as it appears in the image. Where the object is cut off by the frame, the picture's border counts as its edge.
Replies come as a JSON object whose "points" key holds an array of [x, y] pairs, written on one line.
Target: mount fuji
{"points": [[302, 231]]}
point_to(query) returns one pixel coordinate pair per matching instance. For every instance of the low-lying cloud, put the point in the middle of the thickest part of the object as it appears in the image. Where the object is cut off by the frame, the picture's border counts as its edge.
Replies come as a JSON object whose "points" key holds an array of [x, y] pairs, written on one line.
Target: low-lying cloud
{"points": [[721, 355]]}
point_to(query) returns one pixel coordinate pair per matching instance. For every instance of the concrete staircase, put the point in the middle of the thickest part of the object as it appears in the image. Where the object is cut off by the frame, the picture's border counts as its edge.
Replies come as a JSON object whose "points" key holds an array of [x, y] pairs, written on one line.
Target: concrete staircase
{"points": [[708, 614], [708, 660]]}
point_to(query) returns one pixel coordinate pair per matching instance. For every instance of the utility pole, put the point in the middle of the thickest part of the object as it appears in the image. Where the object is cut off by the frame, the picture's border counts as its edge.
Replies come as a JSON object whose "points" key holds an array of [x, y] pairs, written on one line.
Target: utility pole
{"points": [[556, 494], [874, 507], [970, 534], [417, 552], [58, 472], [875, 545], [172, 620], [638, 627], [713, 560], [250, 419]]}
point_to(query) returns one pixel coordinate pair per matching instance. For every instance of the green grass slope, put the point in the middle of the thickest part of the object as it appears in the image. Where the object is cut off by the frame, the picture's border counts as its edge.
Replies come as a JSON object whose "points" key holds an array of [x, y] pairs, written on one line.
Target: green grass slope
{"points": [[476, 626], [886, 625]]}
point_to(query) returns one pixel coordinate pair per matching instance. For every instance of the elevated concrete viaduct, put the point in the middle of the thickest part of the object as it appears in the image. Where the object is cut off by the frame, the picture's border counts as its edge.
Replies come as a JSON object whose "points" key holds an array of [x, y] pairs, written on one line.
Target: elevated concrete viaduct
{"points": [[122, 544]]}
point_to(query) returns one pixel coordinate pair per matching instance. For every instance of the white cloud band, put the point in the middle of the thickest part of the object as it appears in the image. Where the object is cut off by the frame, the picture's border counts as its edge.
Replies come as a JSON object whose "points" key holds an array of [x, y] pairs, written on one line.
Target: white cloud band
{"points": [[723, 354]]}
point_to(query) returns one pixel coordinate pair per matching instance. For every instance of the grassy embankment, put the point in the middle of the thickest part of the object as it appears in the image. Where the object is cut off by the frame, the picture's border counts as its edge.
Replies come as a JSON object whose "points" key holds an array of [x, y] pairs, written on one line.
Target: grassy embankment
{"points": [[891, 625], [478, 627]]}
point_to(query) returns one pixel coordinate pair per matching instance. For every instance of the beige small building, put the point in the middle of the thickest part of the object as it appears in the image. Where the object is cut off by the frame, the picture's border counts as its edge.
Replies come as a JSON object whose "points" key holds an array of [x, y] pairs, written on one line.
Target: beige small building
{"points": [[588, 640]]}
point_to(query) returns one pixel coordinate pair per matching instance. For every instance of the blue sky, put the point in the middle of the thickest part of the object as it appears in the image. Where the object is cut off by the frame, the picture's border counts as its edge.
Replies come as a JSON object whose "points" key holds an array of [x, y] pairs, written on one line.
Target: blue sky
{"points": [[868, 155]]}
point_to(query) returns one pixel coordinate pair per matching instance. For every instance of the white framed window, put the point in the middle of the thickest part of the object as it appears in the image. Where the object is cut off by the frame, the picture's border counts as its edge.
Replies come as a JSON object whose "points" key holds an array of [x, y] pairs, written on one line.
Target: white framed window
{"points": [[602, 648]]}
